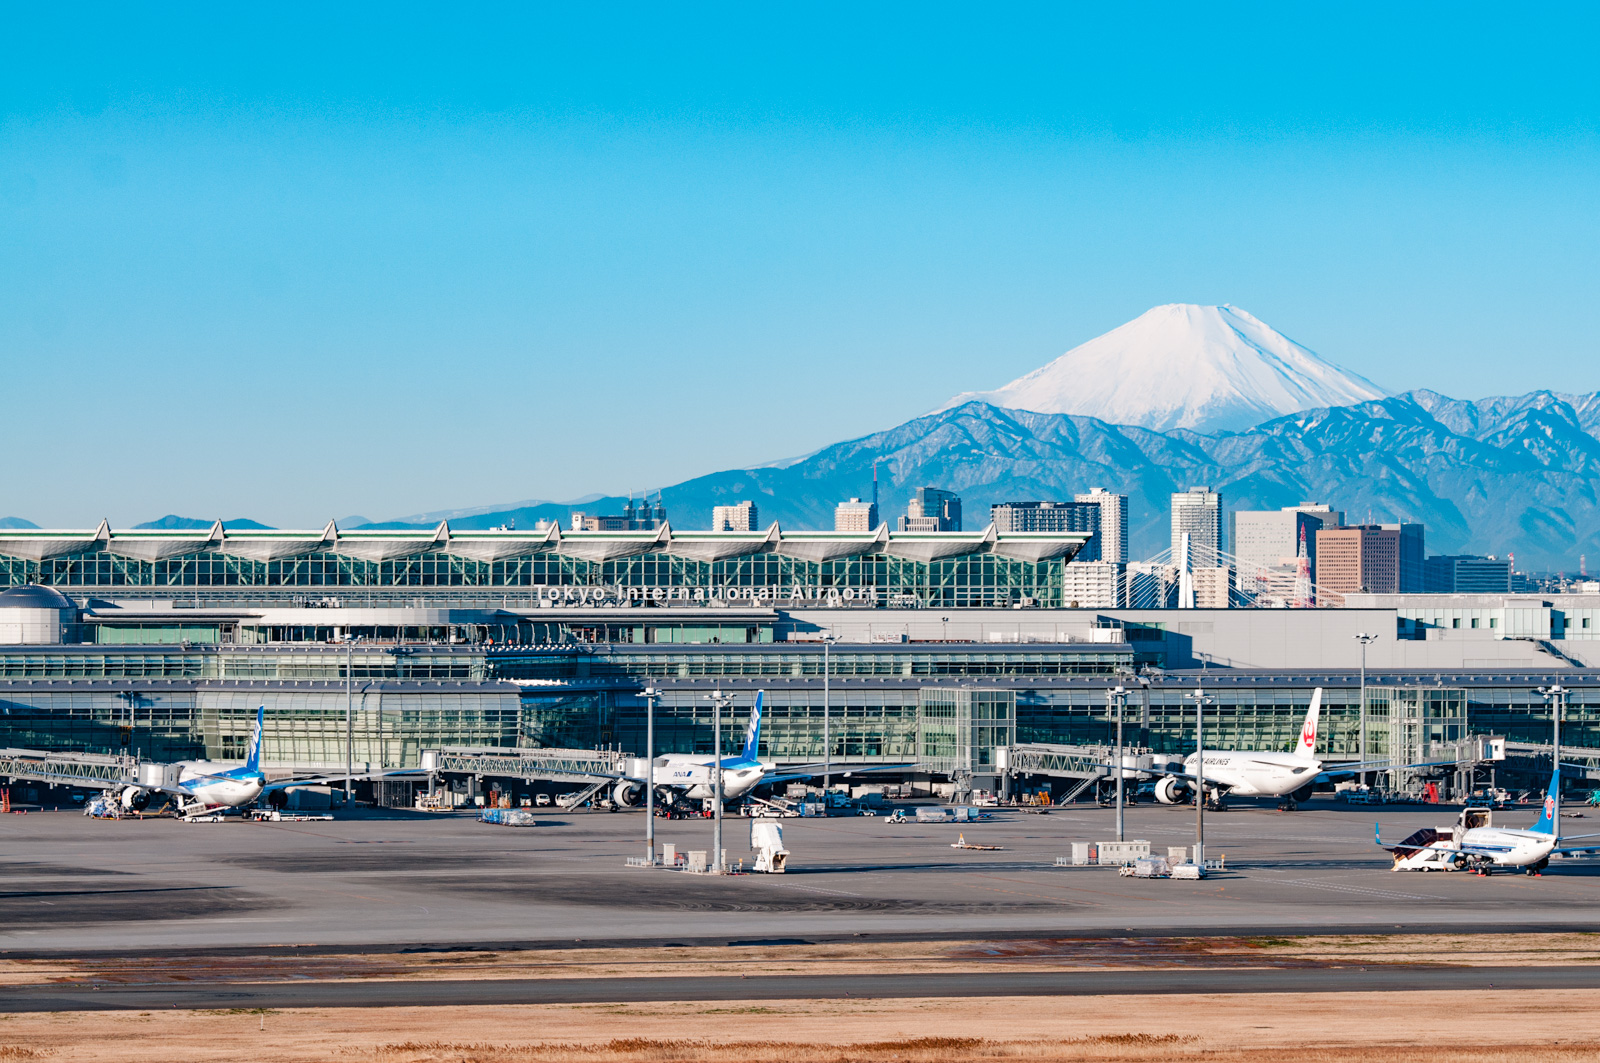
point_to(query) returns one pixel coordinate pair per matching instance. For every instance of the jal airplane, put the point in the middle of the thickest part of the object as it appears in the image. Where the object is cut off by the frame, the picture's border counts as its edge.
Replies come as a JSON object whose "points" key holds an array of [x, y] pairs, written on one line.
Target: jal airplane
{"points": [[1246, 774], [1483, 849], [1251, 774]]}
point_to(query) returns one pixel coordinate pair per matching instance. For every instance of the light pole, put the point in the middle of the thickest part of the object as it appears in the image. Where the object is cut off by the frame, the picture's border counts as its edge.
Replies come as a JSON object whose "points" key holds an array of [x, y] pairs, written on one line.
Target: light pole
{"points": [[1119, 696], [1365, 640], [1557, 695], [716, 781], [650, 696], [349, 718], [827, 716], [1200, 698]]}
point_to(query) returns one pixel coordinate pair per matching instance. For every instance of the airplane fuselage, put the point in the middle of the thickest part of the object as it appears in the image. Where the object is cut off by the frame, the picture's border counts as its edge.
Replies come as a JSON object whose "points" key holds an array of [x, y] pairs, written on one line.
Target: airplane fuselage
{"points": [[1509, 847], [695, 777], [1255, 774], [217, 786]]}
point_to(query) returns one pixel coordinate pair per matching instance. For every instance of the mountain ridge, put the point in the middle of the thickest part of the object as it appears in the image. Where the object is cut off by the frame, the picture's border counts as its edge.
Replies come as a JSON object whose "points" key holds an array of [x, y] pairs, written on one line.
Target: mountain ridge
{"points": [[1504, 474]]}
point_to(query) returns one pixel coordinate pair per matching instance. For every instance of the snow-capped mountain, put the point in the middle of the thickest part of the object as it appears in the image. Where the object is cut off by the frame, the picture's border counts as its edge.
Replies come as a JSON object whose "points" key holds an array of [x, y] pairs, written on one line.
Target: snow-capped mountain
{"points": [[1205, 368]]}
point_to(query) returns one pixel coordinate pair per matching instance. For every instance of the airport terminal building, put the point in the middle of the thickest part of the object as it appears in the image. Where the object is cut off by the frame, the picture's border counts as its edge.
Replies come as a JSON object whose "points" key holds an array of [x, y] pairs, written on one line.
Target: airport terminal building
{"points": [[934, 647]]}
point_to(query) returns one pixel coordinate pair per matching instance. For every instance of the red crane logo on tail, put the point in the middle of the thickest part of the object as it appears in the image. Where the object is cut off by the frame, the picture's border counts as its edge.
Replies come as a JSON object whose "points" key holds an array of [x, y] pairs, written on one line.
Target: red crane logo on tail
{"points": [[1308, 733]]}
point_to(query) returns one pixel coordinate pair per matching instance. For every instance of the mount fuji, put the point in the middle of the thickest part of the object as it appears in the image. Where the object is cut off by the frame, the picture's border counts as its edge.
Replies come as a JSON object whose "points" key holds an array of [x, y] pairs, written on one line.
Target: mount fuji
{"points": [[1204, 368]]}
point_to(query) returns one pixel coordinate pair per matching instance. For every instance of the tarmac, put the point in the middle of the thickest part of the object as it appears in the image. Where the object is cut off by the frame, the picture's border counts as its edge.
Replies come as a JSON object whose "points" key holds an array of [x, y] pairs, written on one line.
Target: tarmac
{"points": [[614, 990], [70, 885]]}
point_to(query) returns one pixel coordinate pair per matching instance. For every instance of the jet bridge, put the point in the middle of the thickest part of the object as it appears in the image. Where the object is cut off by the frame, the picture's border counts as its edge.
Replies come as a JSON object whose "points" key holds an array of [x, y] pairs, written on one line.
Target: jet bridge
{"points": [[533, 765], [1088, 764], [95, 771]]}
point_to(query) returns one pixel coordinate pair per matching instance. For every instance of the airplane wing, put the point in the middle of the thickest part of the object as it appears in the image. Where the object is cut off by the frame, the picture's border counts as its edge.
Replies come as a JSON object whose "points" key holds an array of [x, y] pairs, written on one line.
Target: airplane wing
{"points": [[811, 771], [398, 773]]}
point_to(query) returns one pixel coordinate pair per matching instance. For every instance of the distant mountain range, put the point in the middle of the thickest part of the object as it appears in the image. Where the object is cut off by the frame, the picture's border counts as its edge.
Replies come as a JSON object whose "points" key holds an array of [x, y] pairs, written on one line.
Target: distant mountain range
{"points": [[173, 522], [1494, 476], [1183, 395]]}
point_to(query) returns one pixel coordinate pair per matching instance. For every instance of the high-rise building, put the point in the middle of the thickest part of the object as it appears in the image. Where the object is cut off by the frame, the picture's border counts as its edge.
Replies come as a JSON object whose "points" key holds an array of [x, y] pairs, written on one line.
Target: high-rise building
{"points": [[932, 509], [1266, 544], [1113, 523], [741, 517], [1052, 517], [855, 516], [1412, 555], [1466, 574], [1356, 559], [1198, 511], [635, 516]]}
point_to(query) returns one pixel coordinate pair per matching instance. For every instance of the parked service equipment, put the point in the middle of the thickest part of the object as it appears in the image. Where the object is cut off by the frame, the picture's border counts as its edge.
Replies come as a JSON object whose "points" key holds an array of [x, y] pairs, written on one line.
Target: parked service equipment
{"points": [[1116, 854], [766, 838]]}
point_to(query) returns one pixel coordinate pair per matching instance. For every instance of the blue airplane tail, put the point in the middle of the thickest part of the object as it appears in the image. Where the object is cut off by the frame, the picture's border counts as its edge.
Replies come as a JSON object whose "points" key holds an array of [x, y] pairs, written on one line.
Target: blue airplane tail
{"points": [[252, 758], [1547, 815], [752, 736]]}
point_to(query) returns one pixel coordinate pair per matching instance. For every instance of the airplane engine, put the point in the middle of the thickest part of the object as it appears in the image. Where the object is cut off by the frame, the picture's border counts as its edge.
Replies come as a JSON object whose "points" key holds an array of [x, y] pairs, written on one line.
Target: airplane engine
{"points": [[1171, 790], [1303, 794], [627, 792], [134, 799]]}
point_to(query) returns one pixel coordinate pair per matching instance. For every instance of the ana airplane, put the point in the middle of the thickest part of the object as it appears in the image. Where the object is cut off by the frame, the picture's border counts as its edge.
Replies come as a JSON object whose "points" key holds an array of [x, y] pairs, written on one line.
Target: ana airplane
{"points": [[691, 775], [1477, 845], [1266, 774], [203, 787]]}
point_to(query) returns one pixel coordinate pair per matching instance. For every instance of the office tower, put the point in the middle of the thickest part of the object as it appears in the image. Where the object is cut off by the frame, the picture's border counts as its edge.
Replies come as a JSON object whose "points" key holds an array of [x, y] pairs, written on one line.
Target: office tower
{"points": [[1362, 558], [1052, 517], [1113, 523], [741, 517], [932, 509], [1411, 556], [1198, 511], [1266, 545], [1466, 574], [855, 516]]}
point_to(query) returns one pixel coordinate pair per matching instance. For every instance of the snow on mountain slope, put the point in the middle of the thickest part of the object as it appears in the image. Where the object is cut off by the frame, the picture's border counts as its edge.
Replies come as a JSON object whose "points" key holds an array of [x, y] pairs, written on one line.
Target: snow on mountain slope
{"points": [[1205, 368]]}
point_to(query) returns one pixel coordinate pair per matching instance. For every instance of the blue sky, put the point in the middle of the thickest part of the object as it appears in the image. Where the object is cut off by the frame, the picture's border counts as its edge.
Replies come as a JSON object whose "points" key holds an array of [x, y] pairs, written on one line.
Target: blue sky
{"points": [[292, 264]]}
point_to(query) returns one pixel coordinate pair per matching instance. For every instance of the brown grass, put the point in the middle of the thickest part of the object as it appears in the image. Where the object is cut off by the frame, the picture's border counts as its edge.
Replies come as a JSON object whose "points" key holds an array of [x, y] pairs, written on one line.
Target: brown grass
{"points": [[1122, 1048]]}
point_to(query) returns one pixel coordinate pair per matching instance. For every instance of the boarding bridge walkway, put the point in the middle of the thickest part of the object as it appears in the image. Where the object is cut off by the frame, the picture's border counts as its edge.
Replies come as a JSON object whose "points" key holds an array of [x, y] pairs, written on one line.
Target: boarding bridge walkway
{"points": [[96, 771], [1088, 764], [1577, 762], [534, 765]]}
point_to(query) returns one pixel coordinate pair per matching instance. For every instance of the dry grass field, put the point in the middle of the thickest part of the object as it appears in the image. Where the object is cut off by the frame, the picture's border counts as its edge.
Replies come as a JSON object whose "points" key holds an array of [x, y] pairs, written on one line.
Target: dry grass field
{"points": [[1436, 1027], [975, 957]]}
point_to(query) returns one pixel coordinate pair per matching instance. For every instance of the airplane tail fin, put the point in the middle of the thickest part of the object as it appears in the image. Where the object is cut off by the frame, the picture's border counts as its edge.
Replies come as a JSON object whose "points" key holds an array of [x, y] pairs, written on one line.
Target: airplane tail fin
{"points": [[752, 736], [1547, 815], [1306, 749], [252, 759]]}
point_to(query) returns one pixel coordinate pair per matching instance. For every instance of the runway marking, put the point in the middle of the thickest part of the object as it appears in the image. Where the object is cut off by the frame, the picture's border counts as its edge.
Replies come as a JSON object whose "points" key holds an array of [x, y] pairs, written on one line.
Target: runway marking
{"points": [[1367, 891], [815, 889]]}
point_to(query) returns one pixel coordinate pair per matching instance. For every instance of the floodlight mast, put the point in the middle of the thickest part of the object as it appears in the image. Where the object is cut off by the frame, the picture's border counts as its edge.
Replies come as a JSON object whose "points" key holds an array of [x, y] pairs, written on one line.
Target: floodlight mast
{"points": [[1118, 696], [1200, 698], [1365, 640], [650, 695]]}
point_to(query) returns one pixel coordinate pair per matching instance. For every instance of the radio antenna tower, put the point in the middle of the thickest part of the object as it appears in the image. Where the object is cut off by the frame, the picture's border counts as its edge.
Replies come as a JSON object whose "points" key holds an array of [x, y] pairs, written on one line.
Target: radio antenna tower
{"points": [[1304, 596]]}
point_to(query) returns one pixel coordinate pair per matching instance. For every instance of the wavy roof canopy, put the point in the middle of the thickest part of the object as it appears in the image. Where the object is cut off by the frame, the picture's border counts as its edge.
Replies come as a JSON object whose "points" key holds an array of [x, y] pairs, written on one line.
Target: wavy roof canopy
{"points": [[268, 544]]}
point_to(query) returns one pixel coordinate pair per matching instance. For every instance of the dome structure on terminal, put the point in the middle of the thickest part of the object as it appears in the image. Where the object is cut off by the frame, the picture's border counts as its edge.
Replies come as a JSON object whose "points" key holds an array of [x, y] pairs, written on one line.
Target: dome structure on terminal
{"points": [[35, 596]]}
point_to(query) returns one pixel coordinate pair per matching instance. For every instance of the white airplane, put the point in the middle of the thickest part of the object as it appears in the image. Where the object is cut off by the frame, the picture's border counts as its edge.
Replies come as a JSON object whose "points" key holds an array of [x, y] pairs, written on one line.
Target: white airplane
{"points": [[1478, 846], [203, 787], [692, 775], [1265, 774]]}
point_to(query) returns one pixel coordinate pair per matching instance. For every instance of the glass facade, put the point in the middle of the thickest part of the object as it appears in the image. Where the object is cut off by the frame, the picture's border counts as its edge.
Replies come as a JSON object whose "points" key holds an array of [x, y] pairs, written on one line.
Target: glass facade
{"points": [[971, 580]]}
